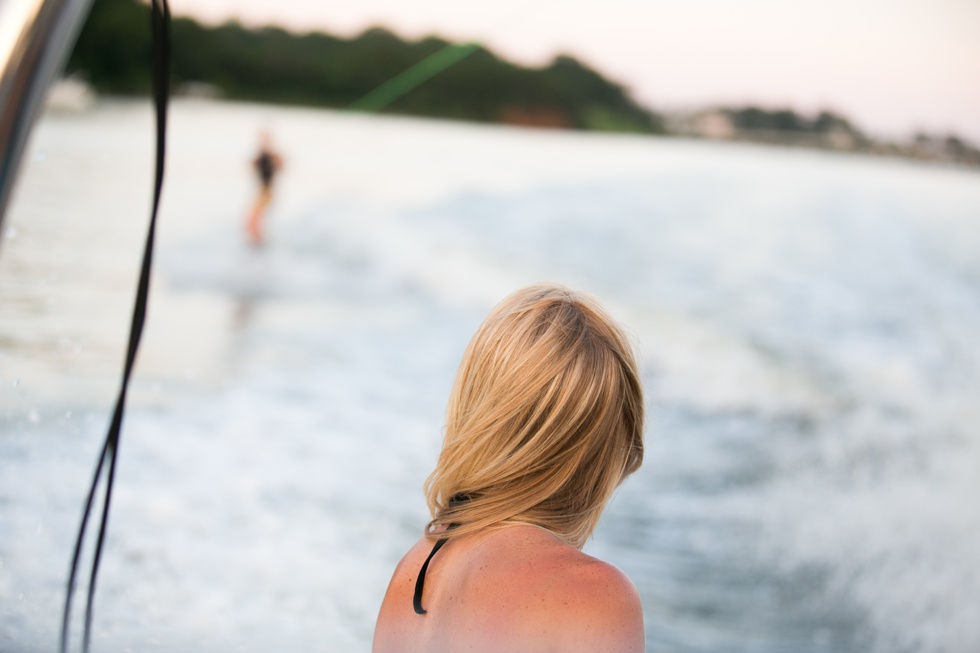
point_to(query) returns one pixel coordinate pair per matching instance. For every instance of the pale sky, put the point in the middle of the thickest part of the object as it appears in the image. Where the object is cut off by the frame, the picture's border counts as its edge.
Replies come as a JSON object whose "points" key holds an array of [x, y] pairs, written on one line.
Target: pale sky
{"points": [[892, 66]]}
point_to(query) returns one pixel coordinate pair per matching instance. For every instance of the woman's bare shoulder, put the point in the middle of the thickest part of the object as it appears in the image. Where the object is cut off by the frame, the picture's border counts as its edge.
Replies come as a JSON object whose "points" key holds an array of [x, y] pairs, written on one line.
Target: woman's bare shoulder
{"points": [[398, 627], [402, 581], [617, 612], [513, 589], [600, 608], [569, 597]]}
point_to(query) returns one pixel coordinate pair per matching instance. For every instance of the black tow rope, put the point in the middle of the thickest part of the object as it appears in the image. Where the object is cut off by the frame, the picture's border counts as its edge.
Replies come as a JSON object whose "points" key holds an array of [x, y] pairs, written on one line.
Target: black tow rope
{"points": [[160, 62]]}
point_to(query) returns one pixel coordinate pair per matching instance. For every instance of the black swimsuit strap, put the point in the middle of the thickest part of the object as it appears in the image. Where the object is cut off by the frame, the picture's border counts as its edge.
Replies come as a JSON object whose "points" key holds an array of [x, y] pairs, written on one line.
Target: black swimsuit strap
{"points": [[420, 582]]}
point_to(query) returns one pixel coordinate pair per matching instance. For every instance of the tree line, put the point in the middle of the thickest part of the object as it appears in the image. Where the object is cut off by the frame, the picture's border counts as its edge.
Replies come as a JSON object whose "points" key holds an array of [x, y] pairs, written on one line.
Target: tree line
{"points": [[273, 65]]}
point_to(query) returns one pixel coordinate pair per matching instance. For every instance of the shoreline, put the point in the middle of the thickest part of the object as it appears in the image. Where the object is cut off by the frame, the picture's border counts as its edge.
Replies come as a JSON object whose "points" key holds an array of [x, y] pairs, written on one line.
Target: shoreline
{"points": [[72, 95]]}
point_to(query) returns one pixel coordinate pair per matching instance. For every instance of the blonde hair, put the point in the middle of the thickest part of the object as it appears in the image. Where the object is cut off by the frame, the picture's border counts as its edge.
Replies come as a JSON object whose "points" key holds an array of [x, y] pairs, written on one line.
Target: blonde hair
{"points": [[544, 421]]}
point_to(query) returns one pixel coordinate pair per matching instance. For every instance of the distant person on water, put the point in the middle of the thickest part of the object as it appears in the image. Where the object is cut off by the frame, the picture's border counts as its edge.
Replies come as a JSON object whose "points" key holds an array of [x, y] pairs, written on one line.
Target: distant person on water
{"points": [[266, 164], [544, 422]]}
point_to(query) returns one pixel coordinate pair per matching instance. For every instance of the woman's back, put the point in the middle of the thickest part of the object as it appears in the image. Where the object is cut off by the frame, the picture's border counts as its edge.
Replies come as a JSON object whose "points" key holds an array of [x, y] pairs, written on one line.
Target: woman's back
{"points": [[513, 588]]}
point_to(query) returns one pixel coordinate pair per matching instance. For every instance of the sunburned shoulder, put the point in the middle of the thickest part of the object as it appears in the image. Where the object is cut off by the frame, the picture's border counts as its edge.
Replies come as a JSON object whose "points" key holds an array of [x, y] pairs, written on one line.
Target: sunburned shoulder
{"points": [[573, 600], [596, 608], [517, 588]]}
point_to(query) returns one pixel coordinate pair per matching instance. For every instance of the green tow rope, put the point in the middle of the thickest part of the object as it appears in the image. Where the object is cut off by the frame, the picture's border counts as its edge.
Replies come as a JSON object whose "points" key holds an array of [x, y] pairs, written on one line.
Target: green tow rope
{"points": [[421, 72]]}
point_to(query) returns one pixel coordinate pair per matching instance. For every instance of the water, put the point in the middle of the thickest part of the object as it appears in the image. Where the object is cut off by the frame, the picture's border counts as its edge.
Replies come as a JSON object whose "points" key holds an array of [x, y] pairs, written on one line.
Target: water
{"points": [[806, 325]]}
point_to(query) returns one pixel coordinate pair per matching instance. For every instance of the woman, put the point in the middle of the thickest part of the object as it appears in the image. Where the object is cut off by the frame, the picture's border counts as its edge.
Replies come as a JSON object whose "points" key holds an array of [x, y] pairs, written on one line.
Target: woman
{"points": [[544, 422]]}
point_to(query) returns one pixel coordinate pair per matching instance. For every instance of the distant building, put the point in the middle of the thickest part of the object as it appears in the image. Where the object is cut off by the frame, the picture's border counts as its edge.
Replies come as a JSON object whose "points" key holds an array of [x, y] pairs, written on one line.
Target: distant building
{"points": [[69, 94], [715, 124], [839, 138], [948, 148], [706, 123]]}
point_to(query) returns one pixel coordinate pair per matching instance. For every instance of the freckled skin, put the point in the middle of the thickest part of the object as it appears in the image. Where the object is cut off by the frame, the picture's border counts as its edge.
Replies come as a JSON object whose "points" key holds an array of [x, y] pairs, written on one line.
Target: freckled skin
{"points": [[516, 588]]}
